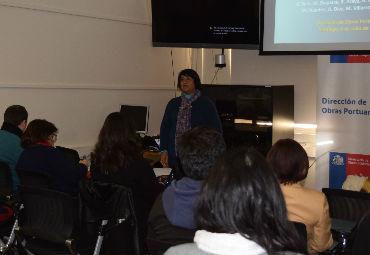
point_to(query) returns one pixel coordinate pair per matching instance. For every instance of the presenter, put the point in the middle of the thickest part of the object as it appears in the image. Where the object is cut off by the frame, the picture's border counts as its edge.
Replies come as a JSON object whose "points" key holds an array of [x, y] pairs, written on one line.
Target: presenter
{"points": [[183, 113]]}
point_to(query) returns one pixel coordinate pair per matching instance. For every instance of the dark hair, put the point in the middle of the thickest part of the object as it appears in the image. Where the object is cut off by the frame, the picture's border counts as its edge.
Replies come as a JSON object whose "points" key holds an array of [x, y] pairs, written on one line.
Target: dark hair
{"points": [[15, 114], [37, 131], [192, 74], [118, 144], [242, 195], [289, 160], [198, 149]]}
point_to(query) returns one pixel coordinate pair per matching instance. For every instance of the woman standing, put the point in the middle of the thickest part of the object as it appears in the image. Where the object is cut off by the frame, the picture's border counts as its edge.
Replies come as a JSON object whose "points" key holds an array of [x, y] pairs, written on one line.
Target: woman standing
{"points": [[183, 113]]}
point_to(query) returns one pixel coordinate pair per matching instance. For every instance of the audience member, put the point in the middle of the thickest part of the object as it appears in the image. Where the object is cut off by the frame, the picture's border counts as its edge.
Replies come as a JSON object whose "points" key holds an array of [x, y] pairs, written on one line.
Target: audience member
{"points": [[117, 159], [183, 113], [289, 160], [171, 220], [15, 122], [39, 155], [241, 210]]}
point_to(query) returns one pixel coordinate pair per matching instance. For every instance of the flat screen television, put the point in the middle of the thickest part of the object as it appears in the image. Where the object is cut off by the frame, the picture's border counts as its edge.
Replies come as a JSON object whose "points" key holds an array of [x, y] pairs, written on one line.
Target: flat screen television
{"points": [[138, 115], [315, 27], [205, 23]]}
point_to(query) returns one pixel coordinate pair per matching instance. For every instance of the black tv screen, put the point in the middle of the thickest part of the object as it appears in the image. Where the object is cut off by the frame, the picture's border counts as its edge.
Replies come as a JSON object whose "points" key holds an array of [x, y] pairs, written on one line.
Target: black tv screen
{"points": [[205, 23]]}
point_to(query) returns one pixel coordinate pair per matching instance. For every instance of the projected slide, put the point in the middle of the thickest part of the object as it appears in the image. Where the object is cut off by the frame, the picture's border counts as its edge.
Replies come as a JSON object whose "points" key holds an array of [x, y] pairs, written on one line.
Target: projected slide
{"points": [[322, 21]]}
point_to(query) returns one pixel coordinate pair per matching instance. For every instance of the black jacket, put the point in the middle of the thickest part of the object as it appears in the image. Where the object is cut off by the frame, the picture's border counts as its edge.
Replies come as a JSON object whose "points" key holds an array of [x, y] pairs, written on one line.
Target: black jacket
{"points": [[140, 177]]}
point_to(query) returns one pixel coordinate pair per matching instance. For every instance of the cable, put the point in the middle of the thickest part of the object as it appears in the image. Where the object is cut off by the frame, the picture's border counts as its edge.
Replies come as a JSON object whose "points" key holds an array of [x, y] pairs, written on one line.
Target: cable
{"points": [[173, 74], [218, 69], [314, 161], [318, 157]]}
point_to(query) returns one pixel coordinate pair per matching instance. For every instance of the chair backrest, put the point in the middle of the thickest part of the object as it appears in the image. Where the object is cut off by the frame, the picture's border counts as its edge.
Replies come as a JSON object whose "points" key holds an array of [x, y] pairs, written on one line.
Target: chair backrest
{"points": [[302, 231], [6, 181], [47, 214], [360, 237], [112, 202], [35, 179], [347, 204], [70, 155]]}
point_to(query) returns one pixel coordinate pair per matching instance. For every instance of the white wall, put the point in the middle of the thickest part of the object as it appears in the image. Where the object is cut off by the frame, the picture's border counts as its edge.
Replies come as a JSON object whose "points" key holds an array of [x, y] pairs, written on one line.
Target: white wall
{"points": [[73, 62]]}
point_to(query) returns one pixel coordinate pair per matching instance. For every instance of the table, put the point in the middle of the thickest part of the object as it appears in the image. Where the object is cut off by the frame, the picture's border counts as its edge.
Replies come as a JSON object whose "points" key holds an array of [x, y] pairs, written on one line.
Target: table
{"points": [[162, 171]]}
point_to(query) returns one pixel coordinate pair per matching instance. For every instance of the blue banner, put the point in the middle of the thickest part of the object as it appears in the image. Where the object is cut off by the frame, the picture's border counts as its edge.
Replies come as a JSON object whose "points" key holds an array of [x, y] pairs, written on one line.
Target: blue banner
{"points": [[337, 169]]}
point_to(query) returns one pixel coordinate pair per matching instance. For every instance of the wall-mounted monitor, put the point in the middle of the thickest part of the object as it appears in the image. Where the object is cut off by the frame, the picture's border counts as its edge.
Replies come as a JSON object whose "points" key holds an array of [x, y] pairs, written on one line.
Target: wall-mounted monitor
{"points": [[315, 27], [138, 116], [205, 23]]}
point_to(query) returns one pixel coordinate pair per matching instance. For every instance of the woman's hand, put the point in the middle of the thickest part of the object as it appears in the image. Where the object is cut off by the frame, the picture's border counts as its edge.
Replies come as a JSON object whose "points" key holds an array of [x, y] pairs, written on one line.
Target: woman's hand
{"points": [[164, 158], [84, 161]]}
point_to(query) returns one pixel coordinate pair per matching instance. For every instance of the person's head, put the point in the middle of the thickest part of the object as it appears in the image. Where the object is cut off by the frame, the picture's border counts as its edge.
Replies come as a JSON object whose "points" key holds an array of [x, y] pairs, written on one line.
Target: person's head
{"points": [[188, 81], [39, 131], [118, 144], [197, 149], [16, 115], [242, 195], [289, 160]]}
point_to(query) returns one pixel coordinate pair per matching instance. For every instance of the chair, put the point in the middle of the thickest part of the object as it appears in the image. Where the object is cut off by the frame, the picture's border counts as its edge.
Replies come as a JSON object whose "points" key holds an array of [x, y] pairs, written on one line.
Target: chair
{"points": [[70, 155], [302, 231], [347, 204], [7, 200], [107, 211], [47, 221], [35, 179], [360, 236], [6, 182]]}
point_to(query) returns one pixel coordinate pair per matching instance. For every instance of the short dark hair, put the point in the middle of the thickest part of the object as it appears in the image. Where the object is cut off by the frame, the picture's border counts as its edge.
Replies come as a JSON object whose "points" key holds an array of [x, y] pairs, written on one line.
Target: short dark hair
{"points": [[289, 160], [242, 195], [192, 74], [38, 130], [198, 149], [15, 114]]}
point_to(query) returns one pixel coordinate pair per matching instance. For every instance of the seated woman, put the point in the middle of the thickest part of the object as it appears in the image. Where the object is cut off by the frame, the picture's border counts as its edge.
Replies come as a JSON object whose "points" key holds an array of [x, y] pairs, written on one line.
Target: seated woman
{"points": [[117, 159], [39, 155], [240, 210], [289, 160]]}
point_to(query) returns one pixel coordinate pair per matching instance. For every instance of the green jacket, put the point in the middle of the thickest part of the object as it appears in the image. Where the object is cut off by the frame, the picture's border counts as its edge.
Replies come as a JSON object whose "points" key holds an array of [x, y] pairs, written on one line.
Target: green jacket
{"points": [[10, 150]]}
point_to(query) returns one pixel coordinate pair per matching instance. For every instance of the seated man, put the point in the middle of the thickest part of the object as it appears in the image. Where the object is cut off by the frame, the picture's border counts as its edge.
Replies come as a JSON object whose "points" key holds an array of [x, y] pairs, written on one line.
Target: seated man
{"points": [[171, 220], [15, 122]]}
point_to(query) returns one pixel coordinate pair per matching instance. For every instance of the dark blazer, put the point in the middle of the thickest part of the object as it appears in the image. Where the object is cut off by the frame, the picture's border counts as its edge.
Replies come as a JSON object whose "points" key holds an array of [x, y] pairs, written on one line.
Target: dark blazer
{"points": [[203, 112], [47, 159]]}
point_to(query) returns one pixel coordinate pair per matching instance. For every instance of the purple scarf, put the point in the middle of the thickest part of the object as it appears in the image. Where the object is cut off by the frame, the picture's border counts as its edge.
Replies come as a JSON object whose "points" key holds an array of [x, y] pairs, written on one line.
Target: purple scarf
{"points": [[184, 116]]}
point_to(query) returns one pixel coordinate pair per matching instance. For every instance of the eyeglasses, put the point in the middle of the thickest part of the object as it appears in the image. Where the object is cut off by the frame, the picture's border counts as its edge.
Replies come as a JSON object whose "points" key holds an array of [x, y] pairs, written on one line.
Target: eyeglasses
{"points": [[54, 137]]}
